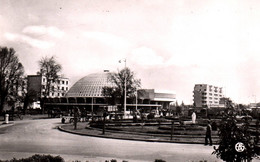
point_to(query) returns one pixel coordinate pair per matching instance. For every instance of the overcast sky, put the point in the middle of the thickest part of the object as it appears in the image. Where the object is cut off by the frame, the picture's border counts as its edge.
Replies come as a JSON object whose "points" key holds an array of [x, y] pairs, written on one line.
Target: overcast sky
{"points": [[171, 45]]}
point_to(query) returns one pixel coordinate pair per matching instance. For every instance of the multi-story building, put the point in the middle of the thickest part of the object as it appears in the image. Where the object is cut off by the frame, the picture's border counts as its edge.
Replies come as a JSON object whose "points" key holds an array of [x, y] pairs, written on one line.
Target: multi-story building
{"points": [[37, 85], [207, 95]]}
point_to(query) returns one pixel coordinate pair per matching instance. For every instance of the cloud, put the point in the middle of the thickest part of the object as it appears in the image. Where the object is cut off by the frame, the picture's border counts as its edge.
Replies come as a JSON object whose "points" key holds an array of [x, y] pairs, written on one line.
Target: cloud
{"points": [[33, 17], [109, 39], [28, 40], [146, 56], [154, 2], [43, 30]]}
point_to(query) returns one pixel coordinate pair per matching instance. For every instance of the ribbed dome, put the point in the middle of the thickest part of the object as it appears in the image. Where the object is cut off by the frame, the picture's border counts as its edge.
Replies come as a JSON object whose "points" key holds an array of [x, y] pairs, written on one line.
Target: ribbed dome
{"points": [[90, 85]]}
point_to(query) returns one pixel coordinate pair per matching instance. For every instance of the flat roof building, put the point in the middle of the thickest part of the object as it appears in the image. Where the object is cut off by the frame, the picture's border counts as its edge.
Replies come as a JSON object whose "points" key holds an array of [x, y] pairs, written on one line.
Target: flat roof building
{"points": [[86, 93], [205, 95], [37, 86]]}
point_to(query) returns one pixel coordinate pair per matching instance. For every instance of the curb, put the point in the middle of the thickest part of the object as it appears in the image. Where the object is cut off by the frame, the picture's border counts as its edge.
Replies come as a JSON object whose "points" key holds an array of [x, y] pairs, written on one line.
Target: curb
{"points": [[3, 125], [124, 138]]}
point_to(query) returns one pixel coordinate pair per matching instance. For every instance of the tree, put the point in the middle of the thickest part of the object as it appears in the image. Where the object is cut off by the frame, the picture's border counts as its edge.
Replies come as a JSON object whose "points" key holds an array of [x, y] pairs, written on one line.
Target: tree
{"points": [[231, 133], [116, 92], [76, 116], [28, 99], [111, 94], [11, 77], [50, 69]]}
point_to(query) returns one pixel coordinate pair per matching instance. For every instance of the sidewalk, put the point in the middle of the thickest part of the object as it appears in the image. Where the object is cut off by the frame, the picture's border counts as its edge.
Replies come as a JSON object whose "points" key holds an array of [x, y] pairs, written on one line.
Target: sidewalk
{"points": [[25, 117], [3, 124], [83, 129]]}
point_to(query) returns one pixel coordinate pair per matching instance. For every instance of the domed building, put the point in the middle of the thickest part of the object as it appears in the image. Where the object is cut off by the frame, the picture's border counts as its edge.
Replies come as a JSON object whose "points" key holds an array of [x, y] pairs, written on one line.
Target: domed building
{"points": [[90, 85], [86, 94]]}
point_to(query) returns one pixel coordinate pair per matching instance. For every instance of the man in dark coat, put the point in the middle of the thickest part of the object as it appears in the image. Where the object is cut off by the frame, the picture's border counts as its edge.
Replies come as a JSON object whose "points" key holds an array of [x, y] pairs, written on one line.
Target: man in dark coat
{"points": [[208, 134]]}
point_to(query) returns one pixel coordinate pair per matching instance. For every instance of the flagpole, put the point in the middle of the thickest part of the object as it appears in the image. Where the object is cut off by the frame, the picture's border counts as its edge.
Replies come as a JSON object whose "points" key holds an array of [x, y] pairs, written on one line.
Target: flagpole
{"points": [[124, 87], [125, 93]]}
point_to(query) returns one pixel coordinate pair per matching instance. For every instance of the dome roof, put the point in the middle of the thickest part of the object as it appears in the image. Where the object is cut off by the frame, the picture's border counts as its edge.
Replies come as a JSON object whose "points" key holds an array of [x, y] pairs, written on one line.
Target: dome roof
{"points": [[90, 85]]}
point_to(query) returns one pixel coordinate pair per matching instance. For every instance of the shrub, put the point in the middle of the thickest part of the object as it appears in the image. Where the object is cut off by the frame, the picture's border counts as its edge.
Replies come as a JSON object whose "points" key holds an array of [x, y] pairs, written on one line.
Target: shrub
{"points": [[230, 133], [159, 160], [214, 126], [38, 158], [150, 116]]}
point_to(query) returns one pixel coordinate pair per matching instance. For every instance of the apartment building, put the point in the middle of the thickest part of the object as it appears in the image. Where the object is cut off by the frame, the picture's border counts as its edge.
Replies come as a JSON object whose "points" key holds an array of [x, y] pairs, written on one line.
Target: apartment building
{"points": [[205, 95], [37, 84]]}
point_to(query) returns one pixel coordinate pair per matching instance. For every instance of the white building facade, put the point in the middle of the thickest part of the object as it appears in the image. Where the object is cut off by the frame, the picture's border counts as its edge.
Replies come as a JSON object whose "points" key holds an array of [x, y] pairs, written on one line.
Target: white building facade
{"points": [[37, 83], [205, 95]]}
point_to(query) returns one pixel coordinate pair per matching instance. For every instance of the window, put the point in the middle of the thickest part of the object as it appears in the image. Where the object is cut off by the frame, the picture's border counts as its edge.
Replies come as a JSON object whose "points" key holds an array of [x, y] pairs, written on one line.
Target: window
{"points": [[210, 94], [67, 82], [58, 94], [63, 82], [62, 88], [52, 94], [66, 88], [58, 88], [43, 79]]}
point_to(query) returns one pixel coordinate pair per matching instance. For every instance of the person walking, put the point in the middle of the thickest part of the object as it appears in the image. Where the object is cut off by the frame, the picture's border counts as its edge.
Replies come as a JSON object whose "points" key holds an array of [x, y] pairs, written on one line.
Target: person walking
{"points": [[193, 117], [208, 134]]}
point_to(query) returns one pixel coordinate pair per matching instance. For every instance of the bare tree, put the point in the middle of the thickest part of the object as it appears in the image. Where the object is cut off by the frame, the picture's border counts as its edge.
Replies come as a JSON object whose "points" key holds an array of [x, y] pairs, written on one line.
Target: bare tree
{"points": [[49, 69], [11, 77], [117, 91]]}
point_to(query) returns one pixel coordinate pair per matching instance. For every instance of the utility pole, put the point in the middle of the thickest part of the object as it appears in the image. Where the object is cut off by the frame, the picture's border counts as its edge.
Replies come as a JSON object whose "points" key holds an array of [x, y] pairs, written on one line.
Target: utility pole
{"points": [[172, 129], [92, 108], [136, 100], [124, 89]]}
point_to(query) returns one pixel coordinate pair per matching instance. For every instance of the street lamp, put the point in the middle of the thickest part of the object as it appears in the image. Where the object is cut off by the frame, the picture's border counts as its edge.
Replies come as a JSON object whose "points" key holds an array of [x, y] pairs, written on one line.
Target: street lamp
{"points": [[136, 100], [125, 89]]}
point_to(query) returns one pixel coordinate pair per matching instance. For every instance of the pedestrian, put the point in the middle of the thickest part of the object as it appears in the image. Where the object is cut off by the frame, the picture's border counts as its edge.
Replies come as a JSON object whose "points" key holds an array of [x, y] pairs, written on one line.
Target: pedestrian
{"points": [[208, 134], [193, 117]]}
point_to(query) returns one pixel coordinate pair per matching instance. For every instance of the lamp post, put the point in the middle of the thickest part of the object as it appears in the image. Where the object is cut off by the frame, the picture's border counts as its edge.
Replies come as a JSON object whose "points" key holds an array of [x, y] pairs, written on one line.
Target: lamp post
{"points": [[136, 100], [124, 89]]}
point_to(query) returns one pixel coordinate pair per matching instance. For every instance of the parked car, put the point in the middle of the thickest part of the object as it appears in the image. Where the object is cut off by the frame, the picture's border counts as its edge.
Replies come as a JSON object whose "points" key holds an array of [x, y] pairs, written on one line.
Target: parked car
{"points": [[67, 119]]}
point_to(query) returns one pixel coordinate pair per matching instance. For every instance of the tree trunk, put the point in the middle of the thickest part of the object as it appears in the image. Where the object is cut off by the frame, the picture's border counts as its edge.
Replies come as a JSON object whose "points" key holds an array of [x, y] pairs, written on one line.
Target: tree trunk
{"points": [[2, 102]]}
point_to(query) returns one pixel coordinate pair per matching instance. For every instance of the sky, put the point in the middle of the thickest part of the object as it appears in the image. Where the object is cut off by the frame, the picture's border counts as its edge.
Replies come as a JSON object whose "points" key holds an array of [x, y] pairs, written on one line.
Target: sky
{"points": [[170, 45]]}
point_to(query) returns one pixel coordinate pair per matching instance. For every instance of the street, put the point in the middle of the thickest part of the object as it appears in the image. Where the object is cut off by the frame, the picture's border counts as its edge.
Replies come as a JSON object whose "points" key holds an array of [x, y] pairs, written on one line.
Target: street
{"points": [[28, 137]]}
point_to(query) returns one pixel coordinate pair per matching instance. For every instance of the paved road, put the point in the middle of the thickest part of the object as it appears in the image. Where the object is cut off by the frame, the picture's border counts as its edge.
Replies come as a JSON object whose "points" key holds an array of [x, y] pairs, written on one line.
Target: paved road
{"points": [[28, 137]]}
